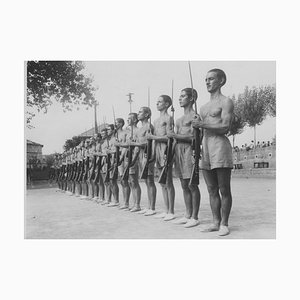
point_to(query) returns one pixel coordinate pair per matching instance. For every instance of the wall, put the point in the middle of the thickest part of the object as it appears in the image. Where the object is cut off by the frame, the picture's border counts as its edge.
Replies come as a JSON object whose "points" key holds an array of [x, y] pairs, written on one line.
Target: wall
{"points": [[247, 158]]}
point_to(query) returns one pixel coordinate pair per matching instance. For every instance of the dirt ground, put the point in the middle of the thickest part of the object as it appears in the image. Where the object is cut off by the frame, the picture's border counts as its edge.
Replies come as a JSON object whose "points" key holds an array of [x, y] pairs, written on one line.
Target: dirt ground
{"points": [[54, 215]]}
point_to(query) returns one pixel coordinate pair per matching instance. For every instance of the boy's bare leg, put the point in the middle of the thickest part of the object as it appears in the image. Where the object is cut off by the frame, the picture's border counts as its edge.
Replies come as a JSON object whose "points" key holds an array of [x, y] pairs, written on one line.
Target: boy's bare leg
{"points": [[151, 190], [136, 192], [126, 193]]}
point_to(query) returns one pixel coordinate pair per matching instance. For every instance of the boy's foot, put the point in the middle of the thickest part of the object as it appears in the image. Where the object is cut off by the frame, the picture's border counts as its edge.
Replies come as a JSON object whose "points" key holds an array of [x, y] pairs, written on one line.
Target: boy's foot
{"points": [[191, 223], [150, 212], [169, 217], [124, 206], [182, 220], [160, 216], [112, 204], [143, 211], [136, 209], [210, 228], [224, 230]]}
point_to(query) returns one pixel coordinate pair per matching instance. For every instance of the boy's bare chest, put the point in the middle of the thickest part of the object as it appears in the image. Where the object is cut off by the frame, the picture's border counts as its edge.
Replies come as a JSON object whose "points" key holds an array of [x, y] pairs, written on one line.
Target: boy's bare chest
{"points": [[211, 110]]}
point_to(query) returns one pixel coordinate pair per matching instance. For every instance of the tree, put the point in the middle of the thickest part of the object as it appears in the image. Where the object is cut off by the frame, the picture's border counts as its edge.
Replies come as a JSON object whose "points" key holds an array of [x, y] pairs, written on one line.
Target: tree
{"points": [[270, 99], [254, 108], [68, 144], [50, 159], [77, 140], [63, 81], [237, 123], [73, 142]]}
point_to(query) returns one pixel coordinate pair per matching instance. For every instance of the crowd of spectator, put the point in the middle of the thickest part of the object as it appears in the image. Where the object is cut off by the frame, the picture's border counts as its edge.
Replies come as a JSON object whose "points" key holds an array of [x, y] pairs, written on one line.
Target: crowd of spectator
{"points": [[252, 146]]}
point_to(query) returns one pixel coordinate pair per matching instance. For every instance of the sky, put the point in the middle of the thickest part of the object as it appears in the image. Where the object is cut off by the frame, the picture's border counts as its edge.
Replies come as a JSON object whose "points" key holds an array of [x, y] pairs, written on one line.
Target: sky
{"points": [[116, 79]]}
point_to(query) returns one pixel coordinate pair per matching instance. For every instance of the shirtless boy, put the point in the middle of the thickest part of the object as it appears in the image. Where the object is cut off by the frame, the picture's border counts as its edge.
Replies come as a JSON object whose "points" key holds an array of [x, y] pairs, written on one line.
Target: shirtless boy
{"points": [[111, 186], [183, 155], [216, 163], [133, 170], [162, 126], [143, 116], [121, 135]]}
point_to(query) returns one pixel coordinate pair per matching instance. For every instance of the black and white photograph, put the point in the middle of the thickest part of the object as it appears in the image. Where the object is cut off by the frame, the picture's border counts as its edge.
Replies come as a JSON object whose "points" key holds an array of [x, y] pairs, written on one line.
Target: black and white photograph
{"points": [[150, 149]]}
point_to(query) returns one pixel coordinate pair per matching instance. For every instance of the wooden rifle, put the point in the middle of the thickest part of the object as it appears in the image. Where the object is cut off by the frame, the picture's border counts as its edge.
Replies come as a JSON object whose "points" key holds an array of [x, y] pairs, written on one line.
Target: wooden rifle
{"points": [[196, 142], [63, 173], [169, 150], [69, 171], [116, 154], [148, 149], [81, 168], [71, 167], [108, 164], [74, 171], [108, 157], [93, 168], [128, 157], [98, 169], [78, 173], [86, 168]]}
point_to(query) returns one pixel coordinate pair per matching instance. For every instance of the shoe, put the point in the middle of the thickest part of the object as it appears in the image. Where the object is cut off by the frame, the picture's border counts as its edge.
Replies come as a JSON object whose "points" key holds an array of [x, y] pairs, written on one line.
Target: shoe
{"points": [[169, 217], [135, 209], [143, 211], [191, 223], [124, 206], [210, 228], [112, 204], [150, 212], [180, 221], [105, 202], [224, 230], [160, 216]]}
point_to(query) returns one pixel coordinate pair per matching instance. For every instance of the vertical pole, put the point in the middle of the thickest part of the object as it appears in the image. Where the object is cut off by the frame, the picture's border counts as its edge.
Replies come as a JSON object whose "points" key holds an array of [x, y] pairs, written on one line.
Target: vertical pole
{"points": [[130, 100], [95, 117]]}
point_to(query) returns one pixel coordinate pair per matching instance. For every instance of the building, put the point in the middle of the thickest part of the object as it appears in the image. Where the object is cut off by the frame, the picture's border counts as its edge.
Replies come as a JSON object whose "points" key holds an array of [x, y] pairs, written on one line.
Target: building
{"points": [[34, 155], [91, 132]]}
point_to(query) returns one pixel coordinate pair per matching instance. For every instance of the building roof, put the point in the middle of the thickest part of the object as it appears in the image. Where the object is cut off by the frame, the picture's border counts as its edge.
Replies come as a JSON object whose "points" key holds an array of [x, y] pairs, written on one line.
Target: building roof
{"points": [[91, 131], [33, 143]]}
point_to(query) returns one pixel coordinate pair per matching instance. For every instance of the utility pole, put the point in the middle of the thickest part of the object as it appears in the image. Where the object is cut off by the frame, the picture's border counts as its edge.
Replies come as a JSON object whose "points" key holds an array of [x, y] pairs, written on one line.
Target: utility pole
{"points": [[95, 117], [130, 100]]}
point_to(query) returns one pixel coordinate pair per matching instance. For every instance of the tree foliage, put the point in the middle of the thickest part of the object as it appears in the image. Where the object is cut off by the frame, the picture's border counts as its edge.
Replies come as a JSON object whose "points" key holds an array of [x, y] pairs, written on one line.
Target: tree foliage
{"points": [[63, 81], [269, 94], [73, 142], [237, 123], [50, 159], [254, 108], [257, 103]]}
